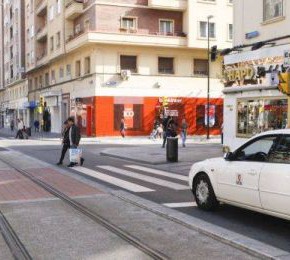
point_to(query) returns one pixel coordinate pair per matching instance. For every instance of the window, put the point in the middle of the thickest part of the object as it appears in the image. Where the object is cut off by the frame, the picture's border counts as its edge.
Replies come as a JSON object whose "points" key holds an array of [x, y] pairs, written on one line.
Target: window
{"points": [[61, 73], [68, 70], [51, 12], [11, 32], [11, 71], [40, 81], [273, 9], [230, 32], [46, 79], [200, 67], [78, 68], [166, 27], [230, 1], [58, 5], [203, 30], [58, 40], [11, 52], [87, 65], [32, 31], [128, 63], [51, 43], [52, 77], [281, 153], [36, 83], [165, 65], [258, 150], [128, 23], [259, 115], [87, 25], [77, 29], [30, 84]]}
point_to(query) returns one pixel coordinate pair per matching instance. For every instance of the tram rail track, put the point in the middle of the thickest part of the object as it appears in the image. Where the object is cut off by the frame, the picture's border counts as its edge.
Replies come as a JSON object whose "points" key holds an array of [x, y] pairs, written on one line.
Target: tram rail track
{"points": [[19, 251]]}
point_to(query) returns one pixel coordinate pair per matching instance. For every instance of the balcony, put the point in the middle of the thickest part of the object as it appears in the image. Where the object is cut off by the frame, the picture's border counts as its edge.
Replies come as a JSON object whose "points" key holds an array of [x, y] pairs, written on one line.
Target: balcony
{"points": [[177, 5], [42, 59], [73, 9], [41, 8], [41, 34], [135, 37]]}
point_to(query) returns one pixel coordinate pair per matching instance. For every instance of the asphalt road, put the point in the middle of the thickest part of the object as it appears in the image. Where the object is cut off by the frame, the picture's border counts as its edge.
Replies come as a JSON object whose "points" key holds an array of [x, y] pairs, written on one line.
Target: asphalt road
{"points": [[270, 230]]}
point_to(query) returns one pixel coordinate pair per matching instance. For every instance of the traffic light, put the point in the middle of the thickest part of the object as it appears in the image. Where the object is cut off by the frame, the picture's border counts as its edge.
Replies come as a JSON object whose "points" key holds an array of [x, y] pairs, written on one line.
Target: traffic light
{"points": [[284, 83], [41, 101], [213, 53]]}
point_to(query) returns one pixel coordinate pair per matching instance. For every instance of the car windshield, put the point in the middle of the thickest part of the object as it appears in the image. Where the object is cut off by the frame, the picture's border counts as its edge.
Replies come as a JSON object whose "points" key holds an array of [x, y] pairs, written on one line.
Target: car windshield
{"points": [[258, 150]]}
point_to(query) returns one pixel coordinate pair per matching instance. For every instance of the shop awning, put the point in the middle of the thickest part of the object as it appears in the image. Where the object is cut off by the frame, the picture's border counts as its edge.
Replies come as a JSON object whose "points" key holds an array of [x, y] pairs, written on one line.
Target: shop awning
{"points": [[248, 88]]}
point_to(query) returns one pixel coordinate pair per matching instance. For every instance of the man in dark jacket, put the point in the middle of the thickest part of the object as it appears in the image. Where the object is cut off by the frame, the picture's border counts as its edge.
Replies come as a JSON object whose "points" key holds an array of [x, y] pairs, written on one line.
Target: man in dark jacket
{"points": [[65, 141], [74, 138]]}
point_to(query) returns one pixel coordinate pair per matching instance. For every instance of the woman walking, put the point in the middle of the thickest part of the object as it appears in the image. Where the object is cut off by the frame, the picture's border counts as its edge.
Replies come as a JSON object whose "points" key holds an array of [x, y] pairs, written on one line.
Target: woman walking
{"points": [[184, 127], [122, 128], [65, 142]]}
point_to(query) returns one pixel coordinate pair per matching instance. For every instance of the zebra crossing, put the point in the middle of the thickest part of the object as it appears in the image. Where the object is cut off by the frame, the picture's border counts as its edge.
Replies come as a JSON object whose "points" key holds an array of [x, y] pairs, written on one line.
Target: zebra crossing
{"points": [[127, 176]]}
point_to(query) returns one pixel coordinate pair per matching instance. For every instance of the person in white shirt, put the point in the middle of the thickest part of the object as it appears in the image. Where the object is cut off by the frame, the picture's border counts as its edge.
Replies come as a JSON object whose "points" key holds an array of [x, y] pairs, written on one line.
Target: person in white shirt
{"points": [[20, 127]]}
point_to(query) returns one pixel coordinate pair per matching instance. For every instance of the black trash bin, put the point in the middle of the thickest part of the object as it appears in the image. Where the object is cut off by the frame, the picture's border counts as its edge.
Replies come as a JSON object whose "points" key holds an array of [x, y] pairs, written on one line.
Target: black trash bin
{"points": [[172, 149], [28, 131]]}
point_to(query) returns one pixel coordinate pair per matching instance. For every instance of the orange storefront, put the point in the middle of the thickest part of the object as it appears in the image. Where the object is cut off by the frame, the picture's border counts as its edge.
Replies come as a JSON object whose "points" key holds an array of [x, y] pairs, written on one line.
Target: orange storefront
{"points": [[101, 116], [104, 115]]}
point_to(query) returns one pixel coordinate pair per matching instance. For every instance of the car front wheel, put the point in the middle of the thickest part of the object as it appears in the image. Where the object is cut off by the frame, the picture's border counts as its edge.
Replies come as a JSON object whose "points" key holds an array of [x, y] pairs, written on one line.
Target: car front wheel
{"points": [[204, 193]]}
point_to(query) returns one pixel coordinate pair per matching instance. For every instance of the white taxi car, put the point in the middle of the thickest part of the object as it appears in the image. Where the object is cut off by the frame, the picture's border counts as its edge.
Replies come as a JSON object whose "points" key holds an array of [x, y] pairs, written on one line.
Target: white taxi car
{"points": [[256, 176]]}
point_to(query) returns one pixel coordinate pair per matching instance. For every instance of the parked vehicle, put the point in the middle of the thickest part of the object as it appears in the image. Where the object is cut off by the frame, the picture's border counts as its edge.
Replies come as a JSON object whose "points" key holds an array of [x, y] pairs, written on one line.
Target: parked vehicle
{"points": [[256, 176]]}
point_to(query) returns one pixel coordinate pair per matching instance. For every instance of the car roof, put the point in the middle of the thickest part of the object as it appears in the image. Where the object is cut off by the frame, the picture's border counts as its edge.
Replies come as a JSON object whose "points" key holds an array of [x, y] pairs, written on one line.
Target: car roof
{"points": [[275, 132]]}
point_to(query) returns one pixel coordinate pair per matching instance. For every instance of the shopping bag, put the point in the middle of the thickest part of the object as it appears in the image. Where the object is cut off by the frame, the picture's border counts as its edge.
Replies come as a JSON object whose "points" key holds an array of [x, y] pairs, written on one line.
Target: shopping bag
{"points": [[75, 155]]}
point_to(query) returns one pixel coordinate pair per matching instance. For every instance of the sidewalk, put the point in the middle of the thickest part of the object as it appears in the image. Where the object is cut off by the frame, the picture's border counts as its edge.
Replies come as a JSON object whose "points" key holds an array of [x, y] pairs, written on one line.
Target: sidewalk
{"points": [[50, 229], [155, 155], [130, 140]]}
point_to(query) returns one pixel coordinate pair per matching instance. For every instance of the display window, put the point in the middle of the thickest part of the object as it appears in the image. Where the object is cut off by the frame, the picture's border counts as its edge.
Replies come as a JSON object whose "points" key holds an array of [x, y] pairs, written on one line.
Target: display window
{"points": [[259, 115]]}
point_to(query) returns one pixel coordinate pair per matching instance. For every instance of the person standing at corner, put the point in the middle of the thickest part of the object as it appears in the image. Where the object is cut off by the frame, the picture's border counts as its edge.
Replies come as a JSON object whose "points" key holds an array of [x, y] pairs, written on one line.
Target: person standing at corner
{"points": [[184, 127], [122, 128], [20, 127], [74, 138], [166, 129], [12, 125], [65, 141]]}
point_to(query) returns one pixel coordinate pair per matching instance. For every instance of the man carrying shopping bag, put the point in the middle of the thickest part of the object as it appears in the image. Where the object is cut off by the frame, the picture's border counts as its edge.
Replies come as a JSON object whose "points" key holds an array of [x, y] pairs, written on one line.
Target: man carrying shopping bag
{"points": [[75, 153]]}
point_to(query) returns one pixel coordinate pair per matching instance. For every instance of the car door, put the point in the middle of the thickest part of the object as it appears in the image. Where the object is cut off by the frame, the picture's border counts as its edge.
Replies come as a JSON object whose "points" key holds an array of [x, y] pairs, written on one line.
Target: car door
{"points": [[275, 179], [238, 179]]}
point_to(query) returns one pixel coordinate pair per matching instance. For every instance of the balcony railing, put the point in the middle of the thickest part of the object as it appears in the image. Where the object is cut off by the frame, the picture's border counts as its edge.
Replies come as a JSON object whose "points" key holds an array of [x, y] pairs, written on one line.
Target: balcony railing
{"points": [[41, 8], [41, 34], [179, 5], [177, 39], [73, 9], [124, 31]]}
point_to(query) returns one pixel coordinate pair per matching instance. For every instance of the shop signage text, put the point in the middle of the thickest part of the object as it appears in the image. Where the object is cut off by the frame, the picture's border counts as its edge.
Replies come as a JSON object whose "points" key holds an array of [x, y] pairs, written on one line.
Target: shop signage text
{"points": [[242, 73]]}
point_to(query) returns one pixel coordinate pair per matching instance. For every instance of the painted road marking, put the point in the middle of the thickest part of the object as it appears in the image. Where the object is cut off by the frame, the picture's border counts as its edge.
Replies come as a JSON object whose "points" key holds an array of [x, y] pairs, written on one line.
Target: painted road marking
{"points": [[180, 205], [159, 172], [112, 180], [145, 178]]}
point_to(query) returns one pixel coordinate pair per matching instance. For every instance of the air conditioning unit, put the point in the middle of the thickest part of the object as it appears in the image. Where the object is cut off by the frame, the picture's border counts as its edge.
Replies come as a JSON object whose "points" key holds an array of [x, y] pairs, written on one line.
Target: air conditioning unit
{"points": [[125, 74]]}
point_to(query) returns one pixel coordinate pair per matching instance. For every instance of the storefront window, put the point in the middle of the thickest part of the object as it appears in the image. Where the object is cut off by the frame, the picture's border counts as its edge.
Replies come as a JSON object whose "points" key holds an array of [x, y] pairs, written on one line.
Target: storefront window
{"points": [[259, 115]]}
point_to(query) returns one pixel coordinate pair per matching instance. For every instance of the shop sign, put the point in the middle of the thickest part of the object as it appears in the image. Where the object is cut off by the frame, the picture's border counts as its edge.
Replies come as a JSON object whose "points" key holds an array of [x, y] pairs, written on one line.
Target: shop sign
{"points": [[169, 100], [128, 115], [242, 73], [171, 112]]}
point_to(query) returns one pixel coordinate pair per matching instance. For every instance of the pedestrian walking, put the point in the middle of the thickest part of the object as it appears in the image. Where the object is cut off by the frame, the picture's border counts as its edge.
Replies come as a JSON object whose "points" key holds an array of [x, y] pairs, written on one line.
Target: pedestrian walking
{"points": [[36, 126], [20, 127], [12, 125], [65, 142], [122, 128], [166, 129], [74, 138], [160, 131], [184, 127], [222, 133]]}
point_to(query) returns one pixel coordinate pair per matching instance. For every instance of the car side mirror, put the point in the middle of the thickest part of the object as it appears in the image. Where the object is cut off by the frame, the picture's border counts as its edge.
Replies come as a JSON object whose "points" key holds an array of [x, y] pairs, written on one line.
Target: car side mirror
{"points": [[229, 156]]}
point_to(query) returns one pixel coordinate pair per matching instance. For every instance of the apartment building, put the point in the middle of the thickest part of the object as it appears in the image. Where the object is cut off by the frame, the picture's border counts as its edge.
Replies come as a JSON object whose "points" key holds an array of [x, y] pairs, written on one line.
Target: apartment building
{"points": [[134, 59], [14, 88], [255, 70]]}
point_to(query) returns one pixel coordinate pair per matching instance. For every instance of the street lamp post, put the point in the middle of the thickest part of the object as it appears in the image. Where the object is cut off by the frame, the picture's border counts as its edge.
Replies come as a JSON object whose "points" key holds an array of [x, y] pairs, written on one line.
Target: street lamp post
{"points": [[208, 73]]}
